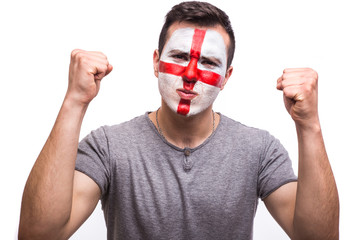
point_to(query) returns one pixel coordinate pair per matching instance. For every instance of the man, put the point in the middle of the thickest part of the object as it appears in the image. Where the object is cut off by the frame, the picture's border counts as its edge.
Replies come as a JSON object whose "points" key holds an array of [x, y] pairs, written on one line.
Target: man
{"points": [[183, 171]]}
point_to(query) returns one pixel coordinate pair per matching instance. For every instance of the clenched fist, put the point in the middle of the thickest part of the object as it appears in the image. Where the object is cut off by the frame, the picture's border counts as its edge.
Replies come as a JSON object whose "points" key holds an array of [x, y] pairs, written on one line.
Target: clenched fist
{"points": [[85, 73], [300, 90]]}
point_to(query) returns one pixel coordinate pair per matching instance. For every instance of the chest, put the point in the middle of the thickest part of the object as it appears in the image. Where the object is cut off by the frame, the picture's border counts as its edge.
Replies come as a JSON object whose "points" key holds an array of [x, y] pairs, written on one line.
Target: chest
{"points": [[201, 184]]}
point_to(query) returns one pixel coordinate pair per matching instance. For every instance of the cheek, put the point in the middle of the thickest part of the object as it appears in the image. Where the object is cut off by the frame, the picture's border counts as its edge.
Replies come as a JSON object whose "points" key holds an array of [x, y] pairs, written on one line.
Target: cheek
{"points": [[207, 93], [170, 81], [206, 97], [168, 85]]}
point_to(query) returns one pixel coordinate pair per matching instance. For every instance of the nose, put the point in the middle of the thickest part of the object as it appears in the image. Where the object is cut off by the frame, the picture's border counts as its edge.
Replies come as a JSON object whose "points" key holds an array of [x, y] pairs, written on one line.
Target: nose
{"points": [[190, 74]]}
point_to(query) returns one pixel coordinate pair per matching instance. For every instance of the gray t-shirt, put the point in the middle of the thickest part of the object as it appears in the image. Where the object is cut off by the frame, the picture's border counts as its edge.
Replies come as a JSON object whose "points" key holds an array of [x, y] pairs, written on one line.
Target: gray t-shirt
{"points": [[152, 189]]}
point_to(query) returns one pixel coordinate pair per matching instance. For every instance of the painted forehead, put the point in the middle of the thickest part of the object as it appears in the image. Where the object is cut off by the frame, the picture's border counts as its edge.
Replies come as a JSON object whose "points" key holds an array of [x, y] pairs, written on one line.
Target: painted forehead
{"points": [[213, 44]]}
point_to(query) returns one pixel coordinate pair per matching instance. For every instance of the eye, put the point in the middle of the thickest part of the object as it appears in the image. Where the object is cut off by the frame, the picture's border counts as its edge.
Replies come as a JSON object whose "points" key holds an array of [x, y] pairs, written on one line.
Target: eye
{"points": [[209, 63], [180, 56]]}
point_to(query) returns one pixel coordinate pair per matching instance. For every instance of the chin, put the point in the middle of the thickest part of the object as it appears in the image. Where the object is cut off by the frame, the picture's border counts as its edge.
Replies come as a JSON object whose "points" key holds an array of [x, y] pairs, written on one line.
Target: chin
{"points": [[194, 110]]}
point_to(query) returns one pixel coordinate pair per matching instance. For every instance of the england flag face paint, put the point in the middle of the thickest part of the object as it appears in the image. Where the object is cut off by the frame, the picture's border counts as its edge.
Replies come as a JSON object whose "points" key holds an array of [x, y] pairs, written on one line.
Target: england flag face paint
{"points": [[192, 69]]}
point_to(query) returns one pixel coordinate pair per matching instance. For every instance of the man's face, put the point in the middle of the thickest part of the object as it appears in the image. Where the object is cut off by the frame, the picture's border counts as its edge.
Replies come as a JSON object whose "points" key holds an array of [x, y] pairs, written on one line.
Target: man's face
{"points": [[192, 67]]}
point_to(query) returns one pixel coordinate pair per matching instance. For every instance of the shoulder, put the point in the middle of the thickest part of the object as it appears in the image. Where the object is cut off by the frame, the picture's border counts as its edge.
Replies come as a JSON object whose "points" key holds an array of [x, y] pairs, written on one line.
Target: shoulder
{"points": [[136, 128], [234, 128], [235, 133], [137, 124]]}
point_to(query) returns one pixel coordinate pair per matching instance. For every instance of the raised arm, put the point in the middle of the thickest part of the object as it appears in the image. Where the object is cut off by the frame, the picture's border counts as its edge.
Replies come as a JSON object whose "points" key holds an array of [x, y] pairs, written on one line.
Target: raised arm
{"points": [[310, 208], [56, 198]]}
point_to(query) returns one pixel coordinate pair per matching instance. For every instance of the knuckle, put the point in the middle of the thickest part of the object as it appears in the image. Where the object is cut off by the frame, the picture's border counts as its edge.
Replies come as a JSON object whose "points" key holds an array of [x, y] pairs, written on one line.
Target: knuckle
{"points": [[286, 91], [74, 53], [313, 80], [308, 88], [313, 73], [80, 56], [104, 69], [104, 57], [316, 75], [80, 60], [101, 68]]}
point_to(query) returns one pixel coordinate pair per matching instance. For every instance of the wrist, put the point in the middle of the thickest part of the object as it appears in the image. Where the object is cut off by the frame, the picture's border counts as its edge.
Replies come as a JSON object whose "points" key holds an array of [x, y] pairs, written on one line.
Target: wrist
{"points": [[76, 107], [308, 124], [73, 101], [309, 129]]}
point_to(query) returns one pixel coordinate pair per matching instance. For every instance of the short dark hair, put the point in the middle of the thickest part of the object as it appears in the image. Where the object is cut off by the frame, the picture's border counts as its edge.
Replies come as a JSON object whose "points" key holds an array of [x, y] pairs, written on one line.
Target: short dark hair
{"points": [[202, 14]]}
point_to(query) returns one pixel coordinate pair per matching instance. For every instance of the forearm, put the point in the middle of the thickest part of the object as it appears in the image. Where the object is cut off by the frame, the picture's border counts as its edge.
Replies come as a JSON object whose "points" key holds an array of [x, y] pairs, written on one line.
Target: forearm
{"points": [[317, 205], [47, 198]]}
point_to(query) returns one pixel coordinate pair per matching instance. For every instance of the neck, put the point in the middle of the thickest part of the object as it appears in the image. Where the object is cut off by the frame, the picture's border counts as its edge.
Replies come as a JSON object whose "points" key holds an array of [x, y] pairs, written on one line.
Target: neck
{"points": [[184, 131]]}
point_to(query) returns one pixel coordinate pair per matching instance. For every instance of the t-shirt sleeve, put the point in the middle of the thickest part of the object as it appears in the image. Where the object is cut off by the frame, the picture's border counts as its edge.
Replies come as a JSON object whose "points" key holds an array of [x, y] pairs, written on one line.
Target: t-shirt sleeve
{"points": [[93, 158], [275, 167]]}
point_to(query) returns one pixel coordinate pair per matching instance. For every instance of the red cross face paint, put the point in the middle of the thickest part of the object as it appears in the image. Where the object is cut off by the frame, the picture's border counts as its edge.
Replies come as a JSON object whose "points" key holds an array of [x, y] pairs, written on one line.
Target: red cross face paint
{"points": [[191, 70]]}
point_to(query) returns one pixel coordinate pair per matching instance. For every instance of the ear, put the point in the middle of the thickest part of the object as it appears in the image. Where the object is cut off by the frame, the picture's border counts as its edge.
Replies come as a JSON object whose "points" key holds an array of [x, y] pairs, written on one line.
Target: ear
{"points": [[227, 76], [156, 59]]}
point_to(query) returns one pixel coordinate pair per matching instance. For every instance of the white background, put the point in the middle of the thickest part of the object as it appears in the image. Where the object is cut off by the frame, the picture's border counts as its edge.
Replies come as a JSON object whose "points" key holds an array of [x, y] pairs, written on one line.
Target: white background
{"points": [[38, 36]]}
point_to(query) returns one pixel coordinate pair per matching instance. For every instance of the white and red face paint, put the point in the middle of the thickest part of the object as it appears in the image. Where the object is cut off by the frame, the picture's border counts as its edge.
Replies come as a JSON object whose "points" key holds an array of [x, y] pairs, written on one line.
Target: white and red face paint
{"points": [[191, 70]]}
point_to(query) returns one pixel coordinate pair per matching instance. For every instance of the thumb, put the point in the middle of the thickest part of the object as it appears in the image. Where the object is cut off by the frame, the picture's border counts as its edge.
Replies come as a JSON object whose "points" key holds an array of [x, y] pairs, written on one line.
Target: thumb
{"points": [[109, 69]]}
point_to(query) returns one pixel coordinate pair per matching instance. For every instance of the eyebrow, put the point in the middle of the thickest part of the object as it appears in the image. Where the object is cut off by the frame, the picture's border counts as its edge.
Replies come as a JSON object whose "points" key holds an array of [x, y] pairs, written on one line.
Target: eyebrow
{"points": [[213, 59], [177, 51]]}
